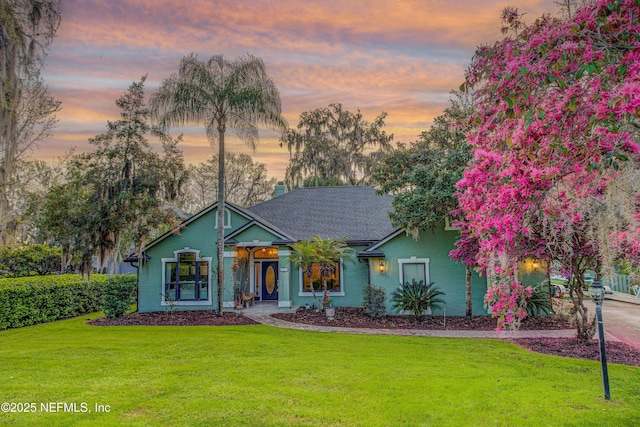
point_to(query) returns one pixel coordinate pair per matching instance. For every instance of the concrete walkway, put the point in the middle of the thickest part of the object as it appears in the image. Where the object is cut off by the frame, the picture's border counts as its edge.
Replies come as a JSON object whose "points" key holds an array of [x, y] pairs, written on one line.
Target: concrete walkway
{"points": [[261, 313]]}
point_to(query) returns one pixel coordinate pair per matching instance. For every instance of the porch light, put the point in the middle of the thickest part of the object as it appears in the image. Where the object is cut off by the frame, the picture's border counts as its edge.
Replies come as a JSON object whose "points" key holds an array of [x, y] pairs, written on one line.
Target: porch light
{"points": [[535, 265], [596, 292], [381, 267]]}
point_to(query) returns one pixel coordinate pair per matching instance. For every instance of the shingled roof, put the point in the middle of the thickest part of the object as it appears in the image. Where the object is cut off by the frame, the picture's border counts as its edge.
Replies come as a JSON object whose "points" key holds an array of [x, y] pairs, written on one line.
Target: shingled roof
{"points": [[354, 213]]}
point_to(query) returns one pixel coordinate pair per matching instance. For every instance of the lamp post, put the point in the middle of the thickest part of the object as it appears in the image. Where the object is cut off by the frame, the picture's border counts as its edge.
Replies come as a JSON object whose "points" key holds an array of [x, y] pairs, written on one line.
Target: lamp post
{"points": [[596, 292]]}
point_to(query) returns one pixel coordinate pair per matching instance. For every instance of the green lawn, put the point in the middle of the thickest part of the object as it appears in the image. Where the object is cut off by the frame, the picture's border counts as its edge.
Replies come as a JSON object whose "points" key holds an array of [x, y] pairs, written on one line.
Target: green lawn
{"points": [[263, 376]]}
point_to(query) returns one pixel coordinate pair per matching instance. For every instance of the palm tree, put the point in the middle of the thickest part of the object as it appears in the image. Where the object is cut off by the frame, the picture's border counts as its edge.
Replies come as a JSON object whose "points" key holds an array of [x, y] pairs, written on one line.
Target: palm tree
{"points": [[220, 94], [324, 252], [303, 256], [330, 251]]}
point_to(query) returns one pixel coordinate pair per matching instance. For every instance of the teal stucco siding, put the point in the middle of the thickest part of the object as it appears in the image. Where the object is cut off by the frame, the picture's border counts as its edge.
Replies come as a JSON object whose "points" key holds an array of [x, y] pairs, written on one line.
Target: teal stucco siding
{"points": [[448, 275], [198, 235]]}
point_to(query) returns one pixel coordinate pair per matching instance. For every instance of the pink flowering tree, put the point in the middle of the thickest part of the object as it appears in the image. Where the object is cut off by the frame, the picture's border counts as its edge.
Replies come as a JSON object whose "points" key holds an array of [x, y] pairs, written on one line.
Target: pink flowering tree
{"points": [[557, 108]]}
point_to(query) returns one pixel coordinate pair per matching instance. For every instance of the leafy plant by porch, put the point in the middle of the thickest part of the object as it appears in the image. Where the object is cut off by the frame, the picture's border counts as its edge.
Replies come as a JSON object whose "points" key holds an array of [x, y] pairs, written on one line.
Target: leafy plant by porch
{"points": [[417, 297], [261, 376]]}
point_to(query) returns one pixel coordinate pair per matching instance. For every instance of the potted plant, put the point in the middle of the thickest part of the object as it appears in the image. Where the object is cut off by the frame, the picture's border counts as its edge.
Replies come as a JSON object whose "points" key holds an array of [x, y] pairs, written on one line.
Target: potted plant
{"points": [[329, 310]]}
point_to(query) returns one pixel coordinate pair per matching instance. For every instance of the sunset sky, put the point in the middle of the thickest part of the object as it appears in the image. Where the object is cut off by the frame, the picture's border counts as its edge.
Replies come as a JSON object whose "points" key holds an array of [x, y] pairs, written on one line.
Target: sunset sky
{"points": [[402, 57]]}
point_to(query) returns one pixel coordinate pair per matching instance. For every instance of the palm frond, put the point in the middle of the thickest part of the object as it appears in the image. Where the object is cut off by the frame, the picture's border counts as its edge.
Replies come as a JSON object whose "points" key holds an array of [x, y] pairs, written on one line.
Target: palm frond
{"points": [[219, 94]]}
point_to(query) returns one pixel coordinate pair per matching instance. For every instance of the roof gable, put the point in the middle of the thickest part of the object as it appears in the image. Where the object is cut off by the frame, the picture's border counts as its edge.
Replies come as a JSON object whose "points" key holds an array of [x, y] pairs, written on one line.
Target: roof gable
{"points": [[374, 250], [257, 225], [204, 212]]}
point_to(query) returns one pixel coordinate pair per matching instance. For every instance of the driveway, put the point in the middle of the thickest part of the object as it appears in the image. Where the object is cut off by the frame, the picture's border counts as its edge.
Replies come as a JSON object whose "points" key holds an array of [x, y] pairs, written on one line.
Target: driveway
{"points": [[621, 321]]}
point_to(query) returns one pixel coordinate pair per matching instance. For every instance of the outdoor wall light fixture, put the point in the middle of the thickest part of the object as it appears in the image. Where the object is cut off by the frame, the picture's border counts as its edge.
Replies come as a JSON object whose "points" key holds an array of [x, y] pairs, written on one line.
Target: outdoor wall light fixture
{"points": [[535, 265], [381, 267], [596, 292]]}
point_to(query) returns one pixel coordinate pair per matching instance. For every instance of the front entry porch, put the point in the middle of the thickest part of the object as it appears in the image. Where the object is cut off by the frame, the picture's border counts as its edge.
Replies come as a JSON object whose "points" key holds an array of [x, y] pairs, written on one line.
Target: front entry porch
{"points": [[266, 308], [260, 272]]}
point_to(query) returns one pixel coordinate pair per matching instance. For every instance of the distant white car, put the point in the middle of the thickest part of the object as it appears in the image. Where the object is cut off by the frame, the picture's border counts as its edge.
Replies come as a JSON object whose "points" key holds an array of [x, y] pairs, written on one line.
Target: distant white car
{"points": [[587, 282]]}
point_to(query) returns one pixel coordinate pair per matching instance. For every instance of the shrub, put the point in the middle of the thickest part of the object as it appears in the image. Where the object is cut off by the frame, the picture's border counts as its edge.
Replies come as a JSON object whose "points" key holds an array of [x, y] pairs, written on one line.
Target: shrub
{"points": [[27, 301], [118, 294], [373, 300], [32, 260], [417, 297], [539, 303]]}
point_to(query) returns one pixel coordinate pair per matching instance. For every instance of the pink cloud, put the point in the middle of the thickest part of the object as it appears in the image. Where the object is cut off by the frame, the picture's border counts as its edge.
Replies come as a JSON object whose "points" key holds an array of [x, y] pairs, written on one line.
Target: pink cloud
{"points": [[402, 57]]}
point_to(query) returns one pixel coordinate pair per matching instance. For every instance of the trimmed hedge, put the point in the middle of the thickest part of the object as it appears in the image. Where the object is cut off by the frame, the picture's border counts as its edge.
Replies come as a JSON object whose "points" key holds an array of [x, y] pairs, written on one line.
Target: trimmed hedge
{"points": [[27, 301], [31, 260], [118, 294]]}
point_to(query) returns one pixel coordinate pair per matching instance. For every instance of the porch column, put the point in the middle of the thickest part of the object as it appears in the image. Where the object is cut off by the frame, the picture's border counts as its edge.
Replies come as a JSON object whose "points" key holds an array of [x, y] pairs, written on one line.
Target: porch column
{"points": [[227, 288], [284, 291]]}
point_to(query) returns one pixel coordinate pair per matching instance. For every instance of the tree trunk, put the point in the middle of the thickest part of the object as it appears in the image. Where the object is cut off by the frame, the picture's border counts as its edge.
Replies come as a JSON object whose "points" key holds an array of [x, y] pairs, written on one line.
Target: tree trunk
{"points": [[220, 215], [467, 284], [313, 291], [7, 168], [325, 291], [585, 330], [66, 256], [114, 257]]}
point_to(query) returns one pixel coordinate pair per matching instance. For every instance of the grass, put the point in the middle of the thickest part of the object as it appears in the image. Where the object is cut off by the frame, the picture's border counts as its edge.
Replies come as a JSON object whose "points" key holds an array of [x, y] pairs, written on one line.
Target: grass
{"points": [[263, 376]]}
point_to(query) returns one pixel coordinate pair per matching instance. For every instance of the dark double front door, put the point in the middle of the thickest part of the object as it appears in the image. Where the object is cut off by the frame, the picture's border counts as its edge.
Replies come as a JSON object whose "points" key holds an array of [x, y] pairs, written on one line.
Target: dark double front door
{"points": [[269, 280]]}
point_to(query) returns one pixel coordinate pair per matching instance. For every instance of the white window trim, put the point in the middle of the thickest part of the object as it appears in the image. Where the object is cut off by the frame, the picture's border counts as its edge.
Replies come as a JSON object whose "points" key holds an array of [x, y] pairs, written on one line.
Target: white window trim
{"points": [[447, 224], [303, 293], [164, 302], [227, 219], [413, 260]]}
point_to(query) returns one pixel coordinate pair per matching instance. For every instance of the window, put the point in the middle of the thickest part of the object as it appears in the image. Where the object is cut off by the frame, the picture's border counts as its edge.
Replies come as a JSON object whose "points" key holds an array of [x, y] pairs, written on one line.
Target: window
{"points": [[266, 253], [227, 219], [448, 224], [186, 278], [333, 280], [414, 269]]}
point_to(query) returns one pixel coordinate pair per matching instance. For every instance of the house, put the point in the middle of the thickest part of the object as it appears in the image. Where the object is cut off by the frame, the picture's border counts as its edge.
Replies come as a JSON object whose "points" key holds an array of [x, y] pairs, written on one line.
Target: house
{"points": [[180, 268]]}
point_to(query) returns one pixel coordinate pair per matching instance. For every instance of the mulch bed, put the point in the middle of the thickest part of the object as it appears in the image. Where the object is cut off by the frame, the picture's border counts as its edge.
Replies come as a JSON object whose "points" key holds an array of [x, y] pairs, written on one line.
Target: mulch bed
{"points": [[617, 352], [351, 317], [178, 318]]}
